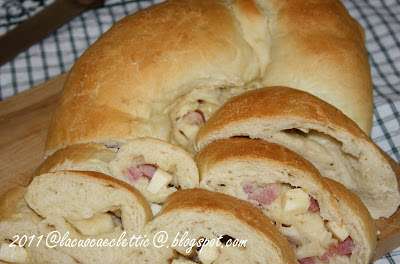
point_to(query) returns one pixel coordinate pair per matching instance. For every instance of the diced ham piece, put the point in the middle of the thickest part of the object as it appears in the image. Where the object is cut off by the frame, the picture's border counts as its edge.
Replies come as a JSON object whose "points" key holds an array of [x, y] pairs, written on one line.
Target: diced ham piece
{"points": [[333, 248], [307, 261], [346, 247], [248, 189], [194, 118], [133, 173], [264, 195], [144, 170], [325, 257], [147, 170], [313, 206], [269, 194]]}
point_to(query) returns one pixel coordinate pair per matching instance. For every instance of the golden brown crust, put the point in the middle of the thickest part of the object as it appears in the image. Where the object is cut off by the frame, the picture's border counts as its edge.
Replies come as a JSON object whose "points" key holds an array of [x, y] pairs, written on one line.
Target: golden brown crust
{"points": [[111, 89], [241, 148], [315, 44], [123, 85], [274, 103], [203, 200]]}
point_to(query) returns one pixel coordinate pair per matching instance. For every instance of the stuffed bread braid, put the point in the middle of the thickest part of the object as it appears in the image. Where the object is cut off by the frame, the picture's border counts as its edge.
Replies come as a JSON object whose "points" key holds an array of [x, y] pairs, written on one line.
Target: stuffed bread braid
{"points": [[164, 70]]}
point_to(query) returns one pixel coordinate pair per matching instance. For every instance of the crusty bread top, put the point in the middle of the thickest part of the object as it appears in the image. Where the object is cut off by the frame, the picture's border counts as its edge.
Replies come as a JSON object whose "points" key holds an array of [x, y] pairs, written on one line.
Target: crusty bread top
{"points": [[278, 102], [317, 47], [201, 200], [241, 148], [143, 64], [124, 85]]}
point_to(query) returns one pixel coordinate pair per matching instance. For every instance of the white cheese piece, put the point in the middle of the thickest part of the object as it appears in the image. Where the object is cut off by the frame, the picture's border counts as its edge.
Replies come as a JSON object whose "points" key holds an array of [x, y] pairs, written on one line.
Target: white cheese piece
{"points": [[208, 254], [190, 131], [160, 179], [12, 254], [339, 232], [292, 234], [183, 110], [155, 208], [296, 201], [208, 108], [98, 224]]}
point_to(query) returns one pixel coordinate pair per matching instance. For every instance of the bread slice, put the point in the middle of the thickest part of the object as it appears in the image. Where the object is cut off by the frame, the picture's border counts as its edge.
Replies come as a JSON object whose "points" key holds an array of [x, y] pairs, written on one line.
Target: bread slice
{"points": [[316, 130], [85, 206], [135, 162], [291, 191], [156, 168], [20, 224], [190, 215]]}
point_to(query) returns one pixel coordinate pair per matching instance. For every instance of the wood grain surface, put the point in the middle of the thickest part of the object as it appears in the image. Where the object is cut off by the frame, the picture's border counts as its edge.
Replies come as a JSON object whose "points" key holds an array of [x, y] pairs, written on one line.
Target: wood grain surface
{"points": [[24, 120]]}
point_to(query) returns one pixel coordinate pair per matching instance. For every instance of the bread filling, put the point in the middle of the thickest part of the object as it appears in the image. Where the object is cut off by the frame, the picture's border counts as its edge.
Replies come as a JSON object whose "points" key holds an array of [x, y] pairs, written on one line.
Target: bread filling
{"points": [[296, 214], [97, 224], [152, 179], [324, 152], [188, 122], [189, 113]]}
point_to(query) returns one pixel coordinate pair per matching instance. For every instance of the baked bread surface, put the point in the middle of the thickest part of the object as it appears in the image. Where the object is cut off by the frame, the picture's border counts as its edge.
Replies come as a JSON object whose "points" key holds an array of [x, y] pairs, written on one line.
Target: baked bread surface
{"points": [[134, 79]]}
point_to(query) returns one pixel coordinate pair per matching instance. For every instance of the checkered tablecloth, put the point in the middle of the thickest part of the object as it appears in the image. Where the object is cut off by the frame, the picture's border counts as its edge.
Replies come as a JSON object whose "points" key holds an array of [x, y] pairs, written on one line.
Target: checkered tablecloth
{"points": [[56, 54]]}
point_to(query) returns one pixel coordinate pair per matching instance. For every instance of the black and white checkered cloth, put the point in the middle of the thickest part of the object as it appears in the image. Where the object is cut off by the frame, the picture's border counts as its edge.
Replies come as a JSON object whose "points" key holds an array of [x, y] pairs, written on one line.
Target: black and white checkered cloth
{"points": [[57, 53]]}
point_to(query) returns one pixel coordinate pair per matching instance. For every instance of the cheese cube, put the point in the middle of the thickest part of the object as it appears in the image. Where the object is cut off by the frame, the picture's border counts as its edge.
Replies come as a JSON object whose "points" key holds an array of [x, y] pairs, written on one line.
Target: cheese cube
{"points": [[296, 201], [155, 208], [339, 232], [190, 131], [208, 254], [98, 224], [159, 180], [208, 108], [292, 234]]}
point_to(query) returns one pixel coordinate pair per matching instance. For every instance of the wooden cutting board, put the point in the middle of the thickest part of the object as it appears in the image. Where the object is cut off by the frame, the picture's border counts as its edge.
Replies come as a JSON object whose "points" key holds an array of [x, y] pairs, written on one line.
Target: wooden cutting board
{"points": [[24, 120]]}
